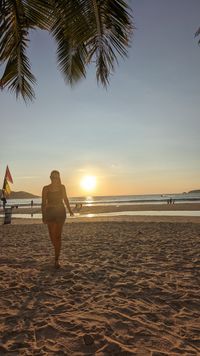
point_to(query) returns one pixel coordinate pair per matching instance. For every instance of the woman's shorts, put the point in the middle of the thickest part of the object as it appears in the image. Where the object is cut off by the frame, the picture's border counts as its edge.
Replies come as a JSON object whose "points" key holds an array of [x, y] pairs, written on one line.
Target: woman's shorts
{"points": [[55, 214]]}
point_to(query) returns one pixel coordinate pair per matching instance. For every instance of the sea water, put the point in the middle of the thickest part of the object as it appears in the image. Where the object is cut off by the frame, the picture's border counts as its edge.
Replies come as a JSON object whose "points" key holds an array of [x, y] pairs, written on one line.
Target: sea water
{"points": [[116, 199]]}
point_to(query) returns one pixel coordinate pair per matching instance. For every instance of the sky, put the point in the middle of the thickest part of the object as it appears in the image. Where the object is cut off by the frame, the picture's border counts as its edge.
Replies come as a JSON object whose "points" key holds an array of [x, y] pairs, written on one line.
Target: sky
{"points": [[140, 136]]}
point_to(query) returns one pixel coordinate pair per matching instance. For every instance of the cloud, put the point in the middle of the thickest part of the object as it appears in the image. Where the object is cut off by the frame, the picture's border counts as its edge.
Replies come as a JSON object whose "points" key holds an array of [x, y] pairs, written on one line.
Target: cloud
{"points": [[27, 177]]}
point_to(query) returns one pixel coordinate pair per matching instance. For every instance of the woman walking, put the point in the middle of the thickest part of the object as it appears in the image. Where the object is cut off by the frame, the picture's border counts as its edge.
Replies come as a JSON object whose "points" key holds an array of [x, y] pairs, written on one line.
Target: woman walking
{"points": [[53, 211]]}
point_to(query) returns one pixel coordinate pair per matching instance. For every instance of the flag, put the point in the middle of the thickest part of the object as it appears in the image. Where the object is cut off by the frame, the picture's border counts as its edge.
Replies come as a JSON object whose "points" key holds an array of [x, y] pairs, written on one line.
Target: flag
{"points": [[6, 188], [8, 176]]}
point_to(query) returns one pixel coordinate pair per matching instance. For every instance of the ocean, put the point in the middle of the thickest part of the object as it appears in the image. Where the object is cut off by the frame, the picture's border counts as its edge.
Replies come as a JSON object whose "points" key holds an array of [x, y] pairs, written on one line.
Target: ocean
{"points": [[117, 199]]}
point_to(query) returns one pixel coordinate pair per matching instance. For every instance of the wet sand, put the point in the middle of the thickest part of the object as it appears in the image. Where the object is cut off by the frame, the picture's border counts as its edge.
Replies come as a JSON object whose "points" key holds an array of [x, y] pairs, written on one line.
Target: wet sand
{"points": [[117, 208]]}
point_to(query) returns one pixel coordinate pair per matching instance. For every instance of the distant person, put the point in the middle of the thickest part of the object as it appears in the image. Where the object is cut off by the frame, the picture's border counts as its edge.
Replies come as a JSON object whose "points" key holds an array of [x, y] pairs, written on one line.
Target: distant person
{"points": [[53, 211], [31, 203], [78, 207], [3, 199]]}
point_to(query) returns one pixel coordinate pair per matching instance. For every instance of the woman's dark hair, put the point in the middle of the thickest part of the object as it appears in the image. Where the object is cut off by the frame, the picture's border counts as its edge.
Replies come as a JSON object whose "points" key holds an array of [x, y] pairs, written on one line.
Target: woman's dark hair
{"points": [[55, 172]]}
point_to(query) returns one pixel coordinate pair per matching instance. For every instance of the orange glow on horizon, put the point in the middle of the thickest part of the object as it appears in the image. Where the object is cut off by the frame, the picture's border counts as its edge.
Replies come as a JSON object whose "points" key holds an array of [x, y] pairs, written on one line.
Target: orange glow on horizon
{"points": [[88, 183]]}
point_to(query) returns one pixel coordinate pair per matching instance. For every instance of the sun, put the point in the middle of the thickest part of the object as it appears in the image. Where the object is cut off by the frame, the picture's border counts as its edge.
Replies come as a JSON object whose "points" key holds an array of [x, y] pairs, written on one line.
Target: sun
{"points": [[88, 183]]}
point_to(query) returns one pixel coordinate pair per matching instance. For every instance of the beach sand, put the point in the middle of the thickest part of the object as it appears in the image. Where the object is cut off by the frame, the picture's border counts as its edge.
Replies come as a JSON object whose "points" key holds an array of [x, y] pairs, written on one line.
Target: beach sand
{"points": [[127, 286]]}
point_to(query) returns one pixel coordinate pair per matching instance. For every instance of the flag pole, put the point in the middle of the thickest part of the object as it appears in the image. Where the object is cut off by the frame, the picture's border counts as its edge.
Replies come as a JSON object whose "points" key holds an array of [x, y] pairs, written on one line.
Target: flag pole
{"points": [[3, 197]]}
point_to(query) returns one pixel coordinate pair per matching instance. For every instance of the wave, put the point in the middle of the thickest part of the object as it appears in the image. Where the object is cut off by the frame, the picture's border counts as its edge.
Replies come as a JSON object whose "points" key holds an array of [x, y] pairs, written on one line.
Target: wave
{"points": [[117, 199]]}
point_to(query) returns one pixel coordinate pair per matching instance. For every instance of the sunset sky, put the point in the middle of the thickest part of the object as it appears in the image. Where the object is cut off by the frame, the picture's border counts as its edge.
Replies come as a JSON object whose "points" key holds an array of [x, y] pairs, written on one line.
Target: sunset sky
{"points": [[139, 136]]}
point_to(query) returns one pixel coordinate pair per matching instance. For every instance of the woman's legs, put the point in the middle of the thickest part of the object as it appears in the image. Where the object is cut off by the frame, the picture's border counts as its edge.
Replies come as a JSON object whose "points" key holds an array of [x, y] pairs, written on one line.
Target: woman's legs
{"points": [[55, 231], [51, 228], [58, 233]]}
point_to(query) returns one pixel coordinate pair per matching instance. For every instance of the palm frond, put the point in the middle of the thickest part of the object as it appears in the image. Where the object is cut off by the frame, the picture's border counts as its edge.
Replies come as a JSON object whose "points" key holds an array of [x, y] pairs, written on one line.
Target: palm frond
{"points": [[114, 28], [13, 43], [17, 75], [68, 30], [197, 34], [85, 31], [88, 31], [38, 13]]}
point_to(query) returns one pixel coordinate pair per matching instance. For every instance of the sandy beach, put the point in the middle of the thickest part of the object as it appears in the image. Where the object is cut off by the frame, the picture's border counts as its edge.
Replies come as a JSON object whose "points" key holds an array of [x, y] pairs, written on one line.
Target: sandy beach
{"points": [[126, 287]]}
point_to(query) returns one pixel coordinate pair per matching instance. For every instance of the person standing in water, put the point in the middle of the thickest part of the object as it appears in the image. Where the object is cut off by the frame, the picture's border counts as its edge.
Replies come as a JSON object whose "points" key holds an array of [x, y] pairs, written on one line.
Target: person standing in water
{"points": [[53, 211]]}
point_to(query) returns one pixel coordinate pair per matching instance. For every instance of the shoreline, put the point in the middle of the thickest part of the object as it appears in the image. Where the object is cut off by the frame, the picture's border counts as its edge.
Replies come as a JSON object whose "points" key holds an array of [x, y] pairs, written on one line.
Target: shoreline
{"points": [[121, 209], [110, 219], [121, 219], [116, 208]]}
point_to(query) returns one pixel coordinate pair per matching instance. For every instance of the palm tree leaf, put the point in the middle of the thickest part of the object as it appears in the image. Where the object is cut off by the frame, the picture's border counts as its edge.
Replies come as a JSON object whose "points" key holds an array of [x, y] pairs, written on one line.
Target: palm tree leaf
{"points": [[198, 34], [71, 60], [69, 29], [38, 13], [112, 29], [90, 30], [85, 31], [13, 43]]}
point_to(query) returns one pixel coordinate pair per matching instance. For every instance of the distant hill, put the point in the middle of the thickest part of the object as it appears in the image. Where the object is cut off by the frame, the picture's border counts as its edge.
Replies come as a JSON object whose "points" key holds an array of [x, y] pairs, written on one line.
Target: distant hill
{"points": [[194, 191], [21, 195]]}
